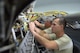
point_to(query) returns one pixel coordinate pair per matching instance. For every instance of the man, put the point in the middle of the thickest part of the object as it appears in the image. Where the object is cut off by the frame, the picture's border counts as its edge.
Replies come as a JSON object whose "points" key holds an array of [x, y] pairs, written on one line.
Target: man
{"points": [[59, 42], [46, 26]]}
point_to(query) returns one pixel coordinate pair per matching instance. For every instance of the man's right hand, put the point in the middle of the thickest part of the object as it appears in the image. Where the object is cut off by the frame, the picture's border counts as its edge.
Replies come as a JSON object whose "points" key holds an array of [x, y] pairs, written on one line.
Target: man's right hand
{"points": [[31, 26]]}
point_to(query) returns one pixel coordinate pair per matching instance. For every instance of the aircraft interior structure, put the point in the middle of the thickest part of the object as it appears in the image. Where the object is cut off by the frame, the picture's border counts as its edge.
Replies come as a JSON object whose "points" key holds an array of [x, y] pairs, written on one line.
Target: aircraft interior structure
{"points": [[15, 36]]}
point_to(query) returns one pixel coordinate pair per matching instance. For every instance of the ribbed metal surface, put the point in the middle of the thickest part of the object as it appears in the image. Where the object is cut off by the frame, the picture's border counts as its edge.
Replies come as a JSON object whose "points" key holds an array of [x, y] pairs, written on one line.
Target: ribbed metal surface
{"points": [[27, 45]]}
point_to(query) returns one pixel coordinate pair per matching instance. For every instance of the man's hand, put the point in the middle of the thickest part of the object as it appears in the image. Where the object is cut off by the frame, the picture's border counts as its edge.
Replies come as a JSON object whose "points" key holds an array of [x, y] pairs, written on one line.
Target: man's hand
{"points": [[31, 26], [40, 25], [36, 22]]}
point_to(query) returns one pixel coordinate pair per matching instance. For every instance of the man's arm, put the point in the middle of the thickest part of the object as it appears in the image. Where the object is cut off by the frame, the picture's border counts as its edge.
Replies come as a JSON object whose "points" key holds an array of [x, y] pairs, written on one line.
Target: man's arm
{"points": [[42, 33], [47, 24], [49, 44], [42, 40]]}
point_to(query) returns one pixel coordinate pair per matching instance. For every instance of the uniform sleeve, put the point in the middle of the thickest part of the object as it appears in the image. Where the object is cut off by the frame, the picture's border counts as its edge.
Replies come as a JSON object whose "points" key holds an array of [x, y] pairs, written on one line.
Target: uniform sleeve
{"points": [[48, 30], [64, 43], [52, 36]]}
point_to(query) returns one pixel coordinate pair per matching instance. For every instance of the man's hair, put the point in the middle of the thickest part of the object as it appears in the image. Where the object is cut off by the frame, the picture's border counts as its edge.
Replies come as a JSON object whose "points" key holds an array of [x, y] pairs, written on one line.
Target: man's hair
{"points": [[62, 21]]}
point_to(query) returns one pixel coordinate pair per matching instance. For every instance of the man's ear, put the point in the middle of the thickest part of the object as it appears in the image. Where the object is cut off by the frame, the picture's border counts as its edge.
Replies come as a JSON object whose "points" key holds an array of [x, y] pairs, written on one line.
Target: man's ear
{"points": [[62, 26]]}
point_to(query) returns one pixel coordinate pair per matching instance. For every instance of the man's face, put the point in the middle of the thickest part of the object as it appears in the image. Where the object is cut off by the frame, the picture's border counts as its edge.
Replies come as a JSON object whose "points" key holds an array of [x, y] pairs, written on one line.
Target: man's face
{"points": [[47, 24], [56, 27]]}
